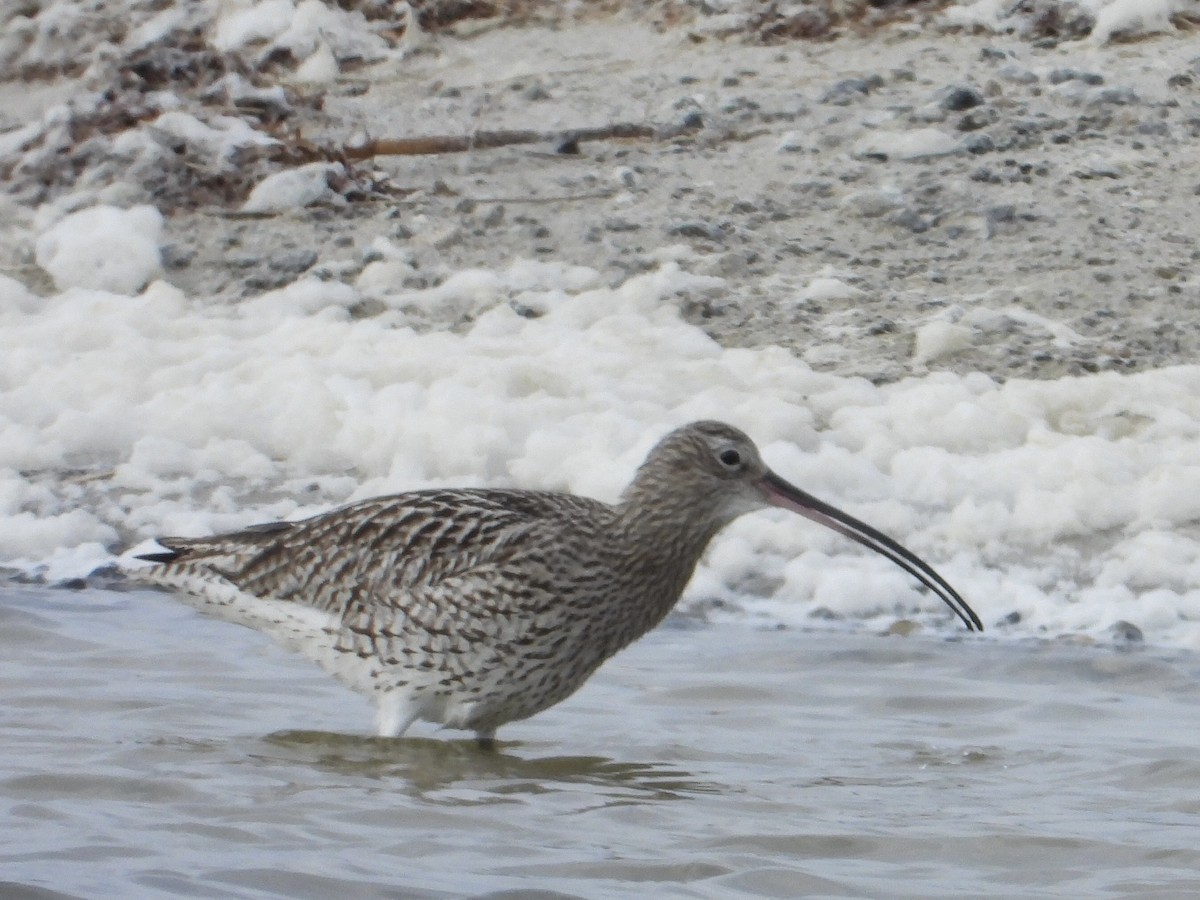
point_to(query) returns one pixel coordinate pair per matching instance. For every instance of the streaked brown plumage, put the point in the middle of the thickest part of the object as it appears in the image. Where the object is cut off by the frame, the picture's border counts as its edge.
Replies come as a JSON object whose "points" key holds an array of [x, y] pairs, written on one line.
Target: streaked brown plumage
{"points": [[473, 608]]}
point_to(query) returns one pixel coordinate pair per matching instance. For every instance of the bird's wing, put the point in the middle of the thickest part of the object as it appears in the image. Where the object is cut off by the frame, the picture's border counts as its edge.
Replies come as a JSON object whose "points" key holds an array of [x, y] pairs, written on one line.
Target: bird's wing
{"points": [[423, 554], [426, 587]]}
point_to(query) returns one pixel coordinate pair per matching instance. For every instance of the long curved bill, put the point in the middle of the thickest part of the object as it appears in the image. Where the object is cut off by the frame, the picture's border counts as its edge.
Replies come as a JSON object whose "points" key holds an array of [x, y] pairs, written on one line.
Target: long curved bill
{"points": [[779, 493]]}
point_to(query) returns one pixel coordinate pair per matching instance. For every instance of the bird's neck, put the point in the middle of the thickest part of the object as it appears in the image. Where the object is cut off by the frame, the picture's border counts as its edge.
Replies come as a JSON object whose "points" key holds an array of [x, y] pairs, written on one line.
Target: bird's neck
{"points": [[663, 539], [656, 513]]}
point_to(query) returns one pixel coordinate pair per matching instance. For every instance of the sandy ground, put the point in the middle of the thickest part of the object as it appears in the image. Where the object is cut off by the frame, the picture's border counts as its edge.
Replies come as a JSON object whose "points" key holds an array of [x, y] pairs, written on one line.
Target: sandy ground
{"points": [[1046, 224]]}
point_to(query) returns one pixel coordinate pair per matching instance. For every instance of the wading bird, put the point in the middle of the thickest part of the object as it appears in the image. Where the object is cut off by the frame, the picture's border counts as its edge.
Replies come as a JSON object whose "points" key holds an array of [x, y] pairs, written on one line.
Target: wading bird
{"points": [[474, 608]]}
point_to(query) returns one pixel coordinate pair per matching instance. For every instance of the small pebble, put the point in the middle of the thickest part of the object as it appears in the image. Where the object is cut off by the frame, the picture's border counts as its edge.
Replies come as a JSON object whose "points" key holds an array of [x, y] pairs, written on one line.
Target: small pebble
{"points": [[1006, 212], [1117, 97], [1098, 168], [293, 261], [176, 257], [960, 98], [1017, 75], [704, 230], [791, 142], [979, 143], [494, 216], [973, 121], [1059, 76], [1126, 632], [850, 90], [619, 225], [873, 202]]}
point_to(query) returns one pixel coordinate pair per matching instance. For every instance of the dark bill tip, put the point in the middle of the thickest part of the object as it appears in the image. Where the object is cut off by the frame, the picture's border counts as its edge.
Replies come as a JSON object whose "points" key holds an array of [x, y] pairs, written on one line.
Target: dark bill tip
{"points": [[779, 493]]}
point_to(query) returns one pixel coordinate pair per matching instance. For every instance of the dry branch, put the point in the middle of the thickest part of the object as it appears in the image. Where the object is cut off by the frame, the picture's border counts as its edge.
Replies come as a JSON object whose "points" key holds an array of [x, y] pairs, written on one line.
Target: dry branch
{"points": [[565, 141]]}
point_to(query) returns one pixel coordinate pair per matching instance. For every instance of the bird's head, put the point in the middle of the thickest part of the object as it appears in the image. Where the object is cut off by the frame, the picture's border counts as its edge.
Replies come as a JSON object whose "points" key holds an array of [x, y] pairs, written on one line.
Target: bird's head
{"points": [[711, 473]]}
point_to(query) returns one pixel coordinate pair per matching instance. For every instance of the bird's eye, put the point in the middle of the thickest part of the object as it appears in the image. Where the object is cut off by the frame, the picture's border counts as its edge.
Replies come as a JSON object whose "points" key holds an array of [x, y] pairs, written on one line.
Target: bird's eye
{"points": [[730, 458]]}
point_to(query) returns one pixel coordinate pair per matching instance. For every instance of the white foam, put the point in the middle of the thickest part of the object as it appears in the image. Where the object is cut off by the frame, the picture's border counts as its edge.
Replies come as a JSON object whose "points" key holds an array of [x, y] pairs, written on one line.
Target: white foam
{"points": [[319, 67], [215, 139], [299, 28], [938, 339], [240, 22], [156, 27], [828, 287], [1129, 18], [1134, 17], [982, 13], [293, 188], [1071, 502], [917, 143], [18, 139], [103, 248]]}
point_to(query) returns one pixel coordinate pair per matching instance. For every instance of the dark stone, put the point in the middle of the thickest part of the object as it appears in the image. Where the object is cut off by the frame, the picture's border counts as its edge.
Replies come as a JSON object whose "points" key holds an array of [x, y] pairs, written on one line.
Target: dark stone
{"points": [[912, 220], [620, 225], [704, 230], [176, 257], [979, 143], [1058, 76], [848, 90], [959, 98], [1005, 212], [293, 261], [1126, 632], [494, 216], [973, 122], [1118, 97]]}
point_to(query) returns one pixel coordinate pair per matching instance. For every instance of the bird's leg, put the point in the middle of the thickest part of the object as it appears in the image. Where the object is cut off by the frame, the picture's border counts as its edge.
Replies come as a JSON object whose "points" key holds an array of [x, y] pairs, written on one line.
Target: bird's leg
{"points": [[395, 716], [486, 740]]}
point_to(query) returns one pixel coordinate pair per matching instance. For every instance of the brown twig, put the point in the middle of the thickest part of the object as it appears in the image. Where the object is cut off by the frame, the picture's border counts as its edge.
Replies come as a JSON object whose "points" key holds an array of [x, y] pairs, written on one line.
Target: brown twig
{"points": [[553, 198], [565, 141]]}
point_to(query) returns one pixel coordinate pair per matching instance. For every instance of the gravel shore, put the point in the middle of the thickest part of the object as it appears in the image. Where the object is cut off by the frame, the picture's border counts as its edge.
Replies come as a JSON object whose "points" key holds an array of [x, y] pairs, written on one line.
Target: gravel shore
{"points": [[880, 205]]}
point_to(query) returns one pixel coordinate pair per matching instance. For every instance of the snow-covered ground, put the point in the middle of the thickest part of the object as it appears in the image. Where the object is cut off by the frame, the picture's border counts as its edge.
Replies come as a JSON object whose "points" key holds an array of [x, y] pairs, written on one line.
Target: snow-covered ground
{"points": [[131, 407]]}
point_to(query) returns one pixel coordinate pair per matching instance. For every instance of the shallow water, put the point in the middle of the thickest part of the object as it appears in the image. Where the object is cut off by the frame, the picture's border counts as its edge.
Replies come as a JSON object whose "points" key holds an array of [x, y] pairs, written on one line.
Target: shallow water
{"points": [[151, 752]]}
